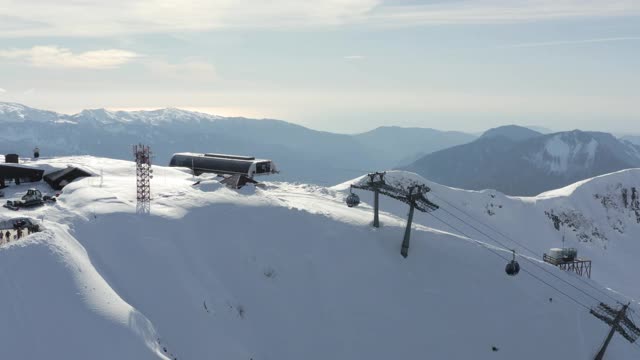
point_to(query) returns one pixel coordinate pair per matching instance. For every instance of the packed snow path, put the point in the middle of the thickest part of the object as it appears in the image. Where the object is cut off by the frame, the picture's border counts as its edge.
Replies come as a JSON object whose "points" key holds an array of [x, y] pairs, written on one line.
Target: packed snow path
{"points": [[284, 272]]}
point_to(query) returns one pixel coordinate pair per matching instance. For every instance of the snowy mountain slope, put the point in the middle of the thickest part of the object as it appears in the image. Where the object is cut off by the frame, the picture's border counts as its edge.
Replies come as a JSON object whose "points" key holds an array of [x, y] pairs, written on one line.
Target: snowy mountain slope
{"points": [[530, 166], [598, 216], [13, 112], [55, 305], [284, 272], [578, 152]]}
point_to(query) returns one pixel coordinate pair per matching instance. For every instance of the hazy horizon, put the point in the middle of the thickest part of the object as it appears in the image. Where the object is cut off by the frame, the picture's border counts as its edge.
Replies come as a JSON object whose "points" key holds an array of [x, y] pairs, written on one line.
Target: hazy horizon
{"points": [[469, 130], [345, 67]]}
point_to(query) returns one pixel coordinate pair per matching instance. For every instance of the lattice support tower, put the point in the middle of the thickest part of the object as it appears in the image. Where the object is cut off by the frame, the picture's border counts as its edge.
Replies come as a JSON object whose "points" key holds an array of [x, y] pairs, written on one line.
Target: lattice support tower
{"points": [[142, 154]]}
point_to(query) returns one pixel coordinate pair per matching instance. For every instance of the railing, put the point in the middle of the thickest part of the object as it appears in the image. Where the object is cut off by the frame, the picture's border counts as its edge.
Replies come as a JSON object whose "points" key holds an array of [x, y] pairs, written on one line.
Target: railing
{"points": [[552, 260]]}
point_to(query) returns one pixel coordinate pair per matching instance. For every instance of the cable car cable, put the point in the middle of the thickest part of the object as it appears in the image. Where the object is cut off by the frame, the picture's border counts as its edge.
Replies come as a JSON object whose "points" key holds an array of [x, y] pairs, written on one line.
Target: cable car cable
{"points": [[514, 241], [518, 243], [524, 257], [507, 247], [503, 245], [484, 245], [482, 223]]}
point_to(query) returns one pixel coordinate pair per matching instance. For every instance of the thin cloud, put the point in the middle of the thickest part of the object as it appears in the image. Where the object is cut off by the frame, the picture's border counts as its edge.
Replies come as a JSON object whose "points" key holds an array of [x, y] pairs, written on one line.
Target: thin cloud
{"points": [[354, 57], [189, 70], [2, 91], [504, 11], [573, 42], [117, 17], [56, 57]]}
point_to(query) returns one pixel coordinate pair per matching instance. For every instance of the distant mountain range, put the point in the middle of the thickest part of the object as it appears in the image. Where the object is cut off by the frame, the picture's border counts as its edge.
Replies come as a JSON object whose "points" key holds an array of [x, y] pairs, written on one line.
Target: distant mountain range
{"points": [[512, 159], [400, 146], [302, 154], [519, 161]]}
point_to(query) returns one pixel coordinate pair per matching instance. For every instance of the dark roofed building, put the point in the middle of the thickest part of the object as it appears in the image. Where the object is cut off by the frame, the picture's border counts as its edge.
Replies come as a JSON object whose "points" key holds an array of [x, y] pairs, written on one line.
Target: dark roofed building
{"points": [[12, 158], [60, 178], [19, 173]]}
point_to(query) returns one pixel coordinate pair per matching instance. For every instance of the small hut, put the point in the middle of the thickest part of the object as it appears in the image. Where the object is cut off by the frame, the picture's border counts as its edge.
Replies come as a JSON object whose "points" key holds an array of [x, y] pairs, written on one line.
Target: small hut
{"points": [[60, 178], [11, 158]]}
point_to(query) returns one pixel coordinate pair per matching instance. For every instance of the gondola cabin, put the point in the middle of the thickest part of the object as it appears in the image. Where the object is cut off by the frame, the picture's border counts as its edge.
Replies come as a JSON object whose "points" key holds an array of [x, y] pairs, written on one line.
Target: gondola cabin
{"points": [[223, 164]]}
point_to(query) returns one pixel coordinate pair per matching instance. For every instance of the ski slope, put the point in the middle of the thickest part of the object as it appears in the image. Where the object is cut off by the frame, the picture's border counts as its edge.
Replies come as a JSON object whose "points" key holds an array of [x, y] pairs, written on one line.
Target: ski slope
{"points": [[281, 272]]}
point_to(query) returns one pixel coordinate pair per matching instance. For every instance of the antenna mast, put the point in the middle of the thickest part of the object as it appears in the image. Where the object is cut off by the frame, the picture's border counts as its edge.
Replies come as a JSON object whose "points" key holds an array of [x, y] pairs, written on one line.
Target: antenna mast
{"points": [[142, 154]]}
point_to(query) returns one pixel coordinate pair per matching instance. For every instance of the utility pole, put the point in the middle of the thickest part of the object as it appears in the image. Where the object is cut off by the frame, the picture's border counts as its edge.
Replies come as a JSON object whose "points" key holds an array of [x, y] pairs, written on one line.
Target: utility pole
{"points": [[619, 323]]}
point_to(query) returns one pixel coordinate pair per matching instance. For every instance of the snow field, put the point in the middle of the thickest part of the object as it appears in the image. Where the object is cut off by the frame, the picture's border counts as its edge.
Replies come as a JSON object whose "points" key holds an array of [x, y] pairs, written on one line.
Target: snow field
{"points": [[283, 272]]}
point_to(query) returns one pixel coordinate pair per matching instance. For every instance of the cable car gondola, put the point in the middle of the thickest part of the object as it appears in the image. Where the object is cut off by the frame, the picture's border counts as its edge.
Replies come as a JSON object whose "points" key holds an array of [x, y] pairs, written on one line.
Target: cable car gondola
{"points": [[512, 268], [352, 200]]}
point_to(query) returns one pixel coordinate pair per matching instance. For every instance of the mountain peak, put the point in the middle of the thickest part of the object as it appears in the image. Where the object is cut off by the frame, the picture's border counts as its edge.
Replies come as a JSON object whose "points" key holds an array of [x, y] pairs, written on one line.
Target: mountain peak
{"points": [[167, 115], [528, 163], [14, 112], [96, 112], [512, 132], [10, 106]]}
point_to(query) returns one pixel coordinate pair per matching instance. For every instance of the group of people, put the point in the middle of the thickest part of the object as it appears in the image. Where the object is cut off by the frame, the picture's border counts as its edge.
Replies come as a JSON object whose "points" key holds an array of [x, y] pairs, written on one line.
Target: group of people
{"points": [[20, 230]]}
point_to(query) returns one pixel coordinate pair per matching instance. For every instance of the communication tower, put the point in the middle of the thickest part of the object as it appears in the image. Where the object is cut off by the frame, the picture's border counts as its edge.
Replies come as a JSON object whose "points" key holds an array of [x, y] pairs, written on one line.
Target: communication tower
{"points": [[142, 154]]}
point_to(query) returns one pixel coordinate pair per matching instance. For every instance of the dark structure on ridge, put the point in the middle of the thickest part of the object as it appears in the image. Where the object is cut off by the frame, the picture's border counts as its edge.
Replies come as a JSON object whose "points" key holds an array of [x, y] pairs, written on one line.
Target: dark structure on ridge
{"points": [[414, 195]]}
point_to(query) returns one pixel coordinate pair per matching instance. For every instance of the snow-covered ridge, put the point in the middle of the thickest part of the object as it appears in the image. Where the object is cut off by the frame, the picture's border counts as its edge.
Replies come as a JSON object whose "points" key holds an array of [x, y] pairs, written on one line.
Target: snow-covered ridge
{"points": [[595, 184], [14, 112], [287, 271], [19, 113], [148, 117], [6, 107]]}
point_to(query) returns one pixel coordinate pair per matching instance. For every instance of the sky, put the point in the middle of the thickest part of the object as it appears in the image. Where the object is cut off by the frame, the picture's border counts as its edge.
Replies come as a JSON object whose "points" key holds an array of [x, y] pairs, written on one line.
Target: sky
{"points": [[337, 65]]}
